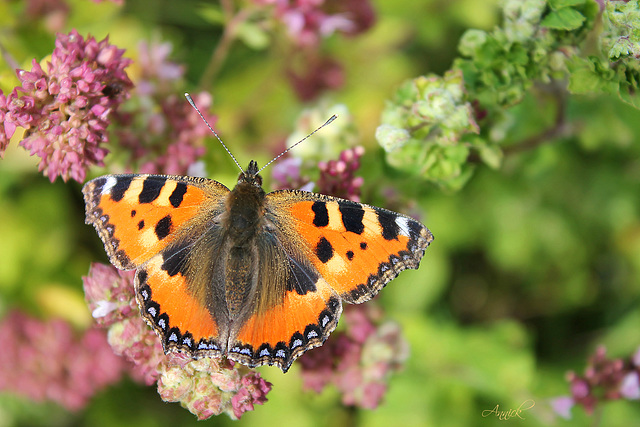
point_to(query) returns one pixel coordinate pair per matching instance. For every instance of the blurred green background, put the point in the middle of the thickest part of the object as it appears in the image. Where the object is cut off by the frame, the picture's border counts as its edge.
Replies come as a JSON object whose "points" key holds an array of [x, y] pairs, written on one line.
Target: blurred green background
{"points": [[534, 264]]}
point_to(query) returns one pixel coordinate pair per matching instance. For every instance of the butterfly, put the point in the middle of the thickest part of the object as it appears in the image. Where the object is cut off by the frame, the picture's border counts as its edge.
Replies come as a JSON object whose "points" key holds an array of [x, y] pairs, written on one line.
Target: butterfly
{"points": [[258, 278]]}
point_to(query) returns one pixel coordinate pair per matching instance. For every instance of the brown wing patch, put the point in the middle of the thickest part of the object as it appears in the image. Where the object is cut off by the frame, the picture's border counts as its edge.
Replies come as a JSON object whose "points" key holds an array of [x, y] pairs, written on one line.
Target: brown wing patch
{"points": [[136, 215]]}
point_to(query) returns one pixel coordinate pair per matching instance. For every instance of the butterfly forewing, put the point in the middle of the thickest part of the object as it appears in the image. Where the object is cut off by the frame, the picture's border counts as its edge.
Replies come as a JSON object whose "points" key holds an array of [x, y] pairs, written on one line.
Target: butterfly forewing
{"points": [[136, 216]]}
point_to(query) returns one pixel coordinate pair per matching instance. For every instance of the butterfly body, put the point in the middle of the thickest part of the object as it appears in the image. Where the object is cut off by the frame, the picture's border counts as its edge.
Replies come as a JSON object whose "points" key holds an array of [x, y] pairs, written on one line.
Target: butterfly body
{"points": [[258, 278]]}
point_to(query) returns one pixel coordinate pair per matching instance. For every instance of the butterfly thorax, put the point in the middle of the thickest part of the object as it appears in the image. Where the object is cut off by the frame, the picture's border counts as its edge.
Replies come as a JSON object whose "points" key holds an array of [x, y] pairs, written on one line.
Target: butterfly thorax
{"points": [[245, 207]]}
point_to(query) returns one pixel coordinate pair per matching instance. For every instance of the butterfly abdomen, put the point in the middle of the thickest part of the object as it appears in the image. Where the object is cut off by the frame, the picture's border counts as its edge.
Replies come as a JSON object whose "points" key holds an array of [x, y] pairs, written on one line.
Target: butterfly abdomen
{"points": [[242, 221]]}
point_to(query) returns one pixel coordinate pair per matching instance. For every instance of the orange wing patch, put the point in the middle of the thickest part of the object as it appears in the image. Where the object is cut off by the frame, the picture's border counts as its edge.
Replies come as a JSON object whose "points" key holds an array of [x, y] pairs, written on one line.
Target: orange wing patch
{"points": [[284, 332]]}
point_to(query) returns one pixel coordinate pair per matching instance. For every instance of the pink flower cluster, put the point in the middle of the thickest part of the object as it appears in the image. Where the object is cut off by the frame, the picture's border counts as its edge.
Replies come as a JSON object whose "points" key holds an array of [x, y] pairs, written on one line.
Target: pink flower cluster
{"points": [[48, 360], [205, 386], [211, 386], [604, 379], [286, 175], [337, 177], [65, 111], [308, 21], [358, 361], [165, 135]]}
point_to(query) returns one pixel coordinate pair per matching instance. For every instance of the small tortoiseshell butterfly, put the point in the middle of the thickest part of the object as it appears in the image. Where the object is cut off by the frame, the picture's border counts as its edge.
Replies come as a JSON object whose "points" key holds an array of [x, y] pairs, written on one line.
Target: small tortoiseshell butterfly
{"points": [[258, 278]]}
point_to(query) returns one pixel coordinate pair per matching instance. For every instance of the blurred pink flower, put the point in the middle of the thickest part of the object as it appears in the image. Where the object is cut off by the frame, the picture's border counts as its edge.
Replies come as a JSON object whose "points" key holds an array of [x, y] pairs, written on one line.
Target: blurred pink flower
{"points": [[315, 75], [630, 386], [6, 129], [65, 110], [359, 361], [253, 391], [308, 21], [337, 177], [286, 175], [48, 360], [109, 293], [167, 135], [604, 379], [562, 406], [54, 13]]}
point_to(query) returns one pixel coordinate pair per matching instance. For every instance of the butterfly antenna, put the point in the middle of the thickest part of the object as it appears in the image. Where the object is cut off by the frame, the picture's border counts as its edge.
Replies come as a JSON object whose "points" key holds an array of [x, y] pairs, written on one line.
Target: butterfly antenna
{"points": [[332, 118], [195, 107]]}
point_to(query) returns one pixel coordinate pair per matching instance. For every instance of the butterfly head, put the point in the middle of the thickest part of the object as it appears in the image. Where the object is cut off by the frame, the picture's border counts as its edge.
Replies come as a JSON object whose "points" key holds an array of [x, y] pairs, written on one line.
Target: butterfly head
{"points": [[250, 176]]}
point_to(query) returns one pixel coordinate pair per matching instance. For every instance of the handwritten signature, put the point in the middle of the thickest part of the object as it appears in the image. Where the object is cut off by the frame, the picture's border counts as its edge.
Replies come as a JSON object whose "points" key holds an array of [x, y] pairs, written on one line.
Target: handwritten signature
{"points": [[505, 415]]}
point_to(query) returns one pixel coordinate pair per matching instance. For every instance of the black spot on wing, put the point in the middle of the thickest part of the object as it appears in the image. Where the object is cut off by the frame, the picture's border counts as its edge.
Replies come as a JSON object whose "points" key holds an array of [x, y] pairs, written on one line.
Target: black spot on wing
{"points": [[163, 227], [415, 229], [133, 213], [141, 225], [321, 218], [352, 214], [178, 194], [142, 278], [151, 188], [121, 187], [302, 279], [98, 185], [174, 258], [350, 255], [389, 226], [363, 245], [324, 250]]}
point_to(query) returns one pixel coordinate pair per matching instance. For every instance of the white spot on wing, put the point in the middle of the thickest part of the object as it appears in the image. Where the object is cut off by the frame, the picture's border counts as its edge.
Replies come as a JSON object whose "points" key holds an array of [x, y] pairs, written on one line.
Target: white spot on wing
{"points": [[111, 182], [325, 320], [403, 224]]}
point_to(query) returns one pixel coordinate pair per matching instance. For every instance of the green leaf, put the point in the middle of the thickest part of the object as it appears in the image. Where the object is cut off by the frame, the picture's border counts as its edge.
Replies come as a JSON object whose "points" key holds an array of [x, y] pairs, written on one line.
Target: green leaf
{"points": [[252, 35], [564, 19], [211, 14], [559, 4], [629, 94], [621, 47], [589, 76]]}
